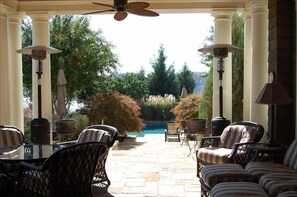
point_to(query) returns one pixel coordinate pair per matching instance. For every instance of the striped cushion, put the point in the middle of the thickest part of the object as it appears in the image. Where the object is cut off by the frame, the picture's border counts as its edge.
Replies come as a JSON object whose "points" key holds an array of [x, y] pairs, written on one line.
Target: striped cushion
{"points": [[288, 194], [218, 173], [10, 137], [231, 135], [276, 183], [236, 189], [237, 133], [97, 135], [214, 155], [260, 168], [290, 158]]}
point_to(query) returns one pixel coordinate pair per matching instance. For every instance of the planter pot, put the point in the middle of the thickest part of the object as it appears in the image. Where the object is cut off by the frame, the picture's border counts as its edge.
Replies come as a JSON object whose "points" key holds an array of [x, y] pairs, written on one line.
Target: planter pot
{"points": [[65, 126], [196, 125]]}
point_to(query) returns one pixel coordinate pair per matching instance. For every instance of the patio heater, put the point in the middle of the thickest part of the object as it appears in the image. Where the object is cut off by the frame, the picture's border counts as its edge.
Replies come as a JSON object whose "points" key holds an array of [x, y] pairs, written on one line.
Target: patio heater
{"points": [[40, 127], [220, 51]]}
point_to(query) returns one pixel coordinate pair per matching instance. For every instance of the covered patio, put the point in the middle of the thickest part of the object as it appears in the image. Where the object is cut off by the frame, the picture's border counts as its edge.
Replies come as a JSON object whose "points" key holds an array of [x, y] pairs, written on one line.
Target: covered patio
{"points": [[270, 44]]}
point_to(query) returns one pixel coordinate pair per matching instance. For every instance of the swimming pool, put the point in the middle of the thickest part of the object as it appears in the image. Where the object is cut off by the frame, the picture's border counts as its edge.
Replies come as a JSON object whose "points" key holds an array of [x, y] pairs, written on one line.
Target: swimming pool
{"points": [[151, 128]]}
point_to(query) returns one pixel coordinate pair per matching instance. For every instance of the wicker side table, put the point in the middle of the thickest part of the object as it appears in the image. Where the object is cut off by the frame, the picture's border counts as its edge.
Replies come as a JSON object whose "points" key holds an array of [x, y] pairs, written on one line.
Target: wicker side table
{"points": [[264, 152]]}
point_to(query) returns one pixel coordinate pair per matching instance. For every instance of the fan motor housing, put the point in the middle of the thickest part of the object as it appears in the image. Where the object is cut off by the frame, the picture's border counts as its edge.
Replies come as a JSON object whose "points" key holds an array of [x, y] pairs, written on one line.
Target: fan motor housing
{"points": [[119, 4]]}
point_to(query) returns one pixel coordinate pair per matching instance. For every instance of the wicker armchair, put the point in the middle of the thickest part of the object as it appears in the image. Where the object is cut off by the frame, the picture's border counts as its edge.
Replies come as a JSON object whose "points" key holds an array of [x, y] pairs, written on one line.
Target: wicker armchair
{"points": [[231, 147], [100, 133], [67, 172]]}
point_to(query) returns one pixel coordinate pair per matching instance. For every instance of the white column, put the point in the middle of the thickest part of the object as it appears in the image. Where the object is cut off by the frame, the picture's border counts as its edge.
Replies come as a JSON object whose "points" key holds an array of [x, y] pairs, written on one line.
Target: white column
{"points": [[5, 102], [223, 35], [259, 112], [247, 66], [41, 36], [16, 74]]}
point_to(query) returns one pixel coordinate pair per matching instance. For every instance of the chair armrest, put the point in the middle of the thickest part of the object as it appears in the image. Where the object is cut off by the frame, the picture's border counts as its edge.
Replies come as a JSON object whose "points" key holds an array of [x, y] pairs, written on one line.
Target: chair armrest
{"points": [[241, 153], [65, 144], [213, 141], [29, 166]]}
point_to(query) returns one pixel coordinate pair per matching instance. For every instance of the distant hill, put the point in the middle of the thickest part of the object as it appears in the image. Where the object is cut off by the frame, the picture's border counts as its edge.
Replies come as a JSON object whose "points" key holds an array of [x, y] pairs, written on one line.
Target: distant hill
{"points": [[200, 81]]}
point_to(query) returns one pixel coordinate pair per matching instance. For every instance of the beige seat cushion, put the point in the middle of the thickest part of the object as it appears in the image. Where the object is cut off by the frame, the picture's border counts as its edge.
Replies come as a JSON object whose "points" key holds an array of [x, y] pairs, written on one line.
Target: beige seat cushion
{"points": [[214, 155]]}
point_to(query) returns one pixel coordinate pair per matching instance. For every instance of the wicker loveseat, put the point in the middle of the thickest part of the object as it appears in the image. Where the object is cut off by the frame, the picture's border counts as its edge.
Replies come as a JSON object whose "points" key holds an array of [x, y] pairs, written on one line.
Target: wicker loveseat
{"points": [[271, 179], [276, 178], [231, 146]]}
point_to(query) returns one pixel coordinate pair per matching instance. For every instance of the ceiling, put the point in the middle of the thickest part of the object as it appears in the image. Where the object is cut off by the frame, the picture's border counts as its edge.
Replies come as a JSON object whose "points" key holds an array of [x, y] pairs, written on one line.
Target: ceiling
{"points": [[84, 6]]}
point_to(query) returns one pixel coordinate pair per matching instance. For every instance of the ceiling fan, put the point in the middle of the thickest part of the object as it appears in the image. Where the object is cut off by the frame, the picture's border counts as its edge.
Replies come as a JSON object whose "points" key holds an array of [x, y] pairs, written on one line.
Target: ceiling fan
{"points": [[122, 7]]}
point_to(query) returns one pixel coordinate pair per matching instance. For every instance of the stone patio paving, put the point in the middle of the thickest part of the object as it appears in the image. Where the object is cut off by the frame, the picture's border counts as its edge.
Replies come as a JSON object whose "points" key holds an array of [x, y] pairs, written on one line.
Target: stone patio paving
{"points": [[150, 167]]}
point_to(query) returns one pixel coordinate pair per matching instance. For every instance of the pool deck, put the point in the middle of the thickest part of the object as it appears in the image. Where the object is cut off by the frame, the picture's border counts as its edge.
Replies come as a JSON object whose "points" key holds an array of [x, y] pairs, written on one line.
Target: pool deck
{"points": [[150, 167]]}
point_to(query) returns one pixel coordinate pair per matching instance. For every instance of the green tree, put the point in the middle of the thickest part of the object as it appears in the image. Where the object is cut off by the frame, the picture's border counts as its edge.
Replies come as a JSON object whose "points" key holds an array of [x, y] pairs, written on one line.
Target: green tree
{"points": [[185, 78], [237, 67], [162, 80], [134, 85], [206, 99], [86, 55]]}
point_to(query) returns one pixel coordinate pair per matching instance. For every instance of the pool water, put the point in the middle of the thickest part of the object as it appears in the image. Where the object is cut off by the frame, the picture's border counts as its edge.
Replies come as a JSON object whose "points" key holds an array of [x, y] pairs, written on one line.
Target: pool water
{"points": [[150, 129]]}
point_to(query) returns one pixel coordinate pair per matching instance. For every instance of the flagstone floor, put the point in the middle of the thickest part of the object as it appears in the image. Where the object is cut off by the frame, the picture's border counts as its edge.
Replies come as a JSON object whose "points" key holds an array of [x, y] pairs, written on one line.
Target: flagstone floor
{"points": [[150, 167]]}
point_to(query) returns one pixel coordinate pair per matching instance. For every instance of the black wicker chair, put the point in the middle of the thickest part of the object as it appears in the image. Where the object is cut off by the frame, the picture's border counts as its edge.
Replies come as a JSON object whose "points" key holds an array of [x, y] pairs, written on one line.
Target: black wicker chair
{"points": [[100, 176], [67, 172], [95, 133], [231, 147]]}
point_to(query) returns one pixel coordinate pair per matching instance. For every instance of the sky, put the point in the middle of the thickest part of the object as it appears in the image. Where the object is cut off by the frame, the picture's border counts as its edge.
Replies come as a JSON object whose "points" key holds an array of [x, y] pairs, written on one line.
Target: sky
{"points": [[137, 39]]}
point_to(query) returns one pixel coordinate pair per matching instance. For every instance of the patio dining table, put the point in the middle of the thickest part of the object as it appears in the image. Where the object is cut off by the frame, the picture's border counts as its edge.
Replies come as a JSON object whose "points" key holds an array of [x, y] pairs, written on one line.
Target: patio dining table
{"points": [[11, 156], [27, 152]]}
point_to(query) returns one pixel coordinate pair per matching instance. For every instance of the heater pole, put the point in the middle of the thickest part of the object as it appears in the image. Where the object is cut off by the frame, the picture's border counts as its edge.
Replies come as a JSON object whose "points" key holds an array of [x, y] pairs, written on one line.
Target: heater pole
{"points": [[39, 73], [220, 70]]}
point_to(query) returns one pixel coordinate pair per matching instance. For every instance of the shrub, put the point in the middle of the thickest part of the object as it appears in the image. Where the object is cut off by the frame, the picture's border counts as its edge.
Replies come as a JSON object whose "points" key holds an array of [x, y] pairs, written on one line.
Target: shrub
{"points": [[158, 107], [114, 109], [187, 108]]}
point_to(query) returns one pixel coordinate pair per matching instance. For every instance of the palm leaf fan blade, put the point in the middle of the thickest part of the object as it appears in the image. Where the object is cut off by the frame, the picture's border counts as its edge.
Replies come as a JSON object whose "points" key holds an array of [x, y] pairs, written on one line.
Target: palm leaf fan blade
{"points": [[137, 5], [144, 12], [120, 15]]}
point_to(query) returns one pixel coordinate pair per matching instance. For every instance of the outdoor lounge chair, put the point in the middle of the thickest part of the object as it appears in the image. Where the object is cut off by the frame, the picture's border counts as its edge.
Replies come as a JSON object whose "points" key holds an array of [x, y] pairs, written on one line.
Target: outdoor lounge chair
{"points": [[171, 132], [100, 133], [67, 172], [231, 146]]}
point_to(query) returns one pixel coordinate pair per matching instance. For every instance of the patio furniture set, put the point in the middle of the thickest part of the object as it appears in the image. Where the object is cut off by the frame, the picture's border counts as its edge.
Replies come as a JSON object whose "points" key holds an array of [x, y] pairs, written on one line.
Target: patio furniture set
{"points": [[241, 166], [64, 169]]}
